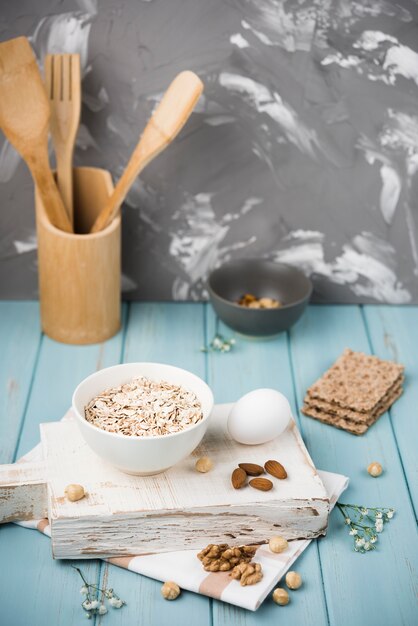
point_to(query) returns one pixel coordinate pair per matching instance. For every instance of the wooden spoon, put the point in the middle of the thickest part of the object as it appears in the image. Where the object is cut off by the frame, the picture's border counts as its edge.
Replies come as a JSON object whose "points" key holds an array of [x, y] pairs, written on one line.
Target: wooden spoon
{"points": [[166, 122], [24, 118]]}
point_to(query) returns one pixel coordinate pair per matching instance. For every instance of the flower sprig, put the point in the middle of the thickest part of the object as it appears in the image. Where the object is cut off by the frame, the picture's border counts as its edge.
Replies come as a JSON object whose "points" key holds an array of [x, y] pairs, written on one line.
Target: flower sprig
{"points": [[365, 524], [91, 604], [219, 344]]}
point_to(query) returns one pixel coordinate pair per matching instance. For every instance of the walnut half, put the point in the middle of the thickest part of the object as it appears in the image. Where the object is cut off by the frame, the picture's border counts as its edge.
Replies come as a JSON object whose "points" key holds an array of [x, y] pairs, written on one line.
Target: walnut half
{"points": [[247, 573], [222, 558]]}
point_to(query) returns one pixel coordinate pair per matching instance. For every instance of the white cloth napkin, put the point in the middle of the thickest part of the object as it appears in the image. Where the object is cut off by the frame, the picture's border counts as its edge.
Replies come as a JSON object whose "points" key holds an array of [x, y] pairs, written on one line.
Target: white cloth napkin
{"points": [[186, 570]]}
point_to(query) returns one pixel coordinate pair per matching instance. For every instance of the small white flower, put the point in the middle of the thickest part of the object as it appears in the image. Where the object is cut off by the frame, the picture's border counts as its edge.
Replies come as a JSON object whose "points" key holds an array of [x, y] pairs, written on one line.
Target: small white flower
{"points": [[373, 539], [389, 514], [360, 541], [115, 602], [353, 531], [367, 546], [379, 515], [379, 527], [94, 604], [102, 609], [364, 511], [347, 521], [86, 605], [84, 591]]}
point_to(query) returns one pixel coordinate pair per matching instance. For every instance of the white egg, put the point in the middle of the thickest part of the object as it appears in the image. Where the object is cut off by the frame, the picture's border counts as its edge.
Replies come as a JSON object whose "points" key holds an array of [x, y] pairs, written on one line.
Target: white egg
{"points": [[259, 416]]}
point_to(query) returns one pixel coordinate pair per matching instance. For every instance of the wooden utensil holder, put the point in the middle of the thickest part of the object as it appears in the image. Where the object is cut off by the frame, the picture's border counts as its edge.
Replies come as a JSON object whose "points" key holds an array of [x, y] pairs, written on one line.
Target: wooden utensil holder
{"points": [[79, 274]]}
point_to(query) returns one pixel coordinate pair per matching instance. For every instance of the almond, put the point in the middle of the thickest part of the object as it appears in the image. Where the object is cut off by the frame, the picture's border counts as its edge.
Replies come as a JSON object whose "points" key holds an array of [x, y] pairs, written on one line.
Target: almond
{"points": [[238, 478], [252, 469], [276, 469], [262, 484]]}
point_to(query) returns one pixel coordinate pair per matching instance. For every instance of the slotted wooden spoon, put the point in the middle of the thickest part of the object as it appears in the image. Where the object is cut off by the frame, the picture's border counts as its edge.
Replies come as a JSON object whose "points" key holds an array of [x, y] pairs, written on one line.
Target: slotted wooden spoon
{"points": [[62, 79], [166, 122], [24, 119]]}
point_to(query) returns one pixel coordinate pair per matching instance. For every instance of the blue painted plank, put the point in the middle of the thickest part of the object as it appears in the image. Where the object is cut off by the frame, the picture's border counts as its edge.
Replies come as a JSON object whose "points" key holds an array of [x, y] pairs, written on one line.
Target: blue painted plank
{"points": [[36, 589], [168, 333], [379, 586], [393, 332], [60, 368], [255, 363], [20, 337], [356, 586]]}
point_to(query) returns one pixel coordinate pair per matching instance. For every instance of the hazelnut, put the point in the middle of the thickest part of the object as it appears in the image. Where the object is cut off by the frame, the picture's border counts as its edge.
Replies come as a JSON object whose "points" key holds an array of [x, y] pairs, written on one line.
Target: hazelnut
{"points": [[204, 464], [280, 596], [74, 492], [293, 580], [375, 469], [278, 544], [170, 590]]}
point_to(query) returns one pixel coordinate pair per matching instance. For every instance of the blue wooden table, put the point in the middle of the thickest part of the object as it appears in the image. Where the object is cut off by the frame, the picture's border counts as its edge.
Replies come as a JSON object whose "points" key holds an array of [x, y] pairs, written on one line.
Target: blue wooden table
{"points": [[341, 587]]}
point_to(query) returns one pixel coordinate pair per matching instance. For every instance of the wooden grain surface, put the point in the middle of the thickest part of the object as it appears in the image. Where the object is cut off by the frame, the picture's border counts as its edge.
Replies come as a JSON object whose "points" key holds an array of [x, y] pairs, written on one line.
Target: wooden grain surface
{"points": [[341, 588]]}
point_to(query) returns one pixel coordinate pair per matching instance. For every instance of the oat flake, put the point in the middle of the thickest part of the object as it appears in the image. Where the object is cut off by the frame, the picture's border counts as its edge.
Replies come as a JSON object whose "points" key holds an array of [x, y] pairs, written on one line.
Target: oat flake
{"points": [[144, 408]]}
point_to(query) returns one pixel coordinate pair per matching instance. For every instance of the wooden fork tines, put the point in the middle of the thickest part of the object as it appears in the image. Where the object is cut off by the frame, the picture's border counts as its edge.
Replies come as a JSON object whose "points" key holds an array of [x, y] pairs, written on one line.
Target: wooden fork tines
{"points": [[62, 77]]}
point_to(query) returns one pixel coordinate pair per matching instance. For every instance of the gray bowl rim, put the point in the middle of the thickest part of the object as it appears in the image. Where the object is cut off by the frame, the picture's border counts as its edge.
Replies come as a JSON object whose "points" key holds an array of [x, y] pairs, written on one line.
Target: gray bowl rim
{"points": [[243, 308]]}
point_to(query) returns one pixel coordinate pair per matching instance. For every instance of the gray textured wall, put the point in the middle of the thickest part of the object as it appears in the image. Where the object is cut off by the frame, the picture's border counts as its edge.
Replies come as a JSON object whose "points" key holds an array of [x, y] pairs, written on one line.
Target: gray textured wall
{"points": [[304, 147]]}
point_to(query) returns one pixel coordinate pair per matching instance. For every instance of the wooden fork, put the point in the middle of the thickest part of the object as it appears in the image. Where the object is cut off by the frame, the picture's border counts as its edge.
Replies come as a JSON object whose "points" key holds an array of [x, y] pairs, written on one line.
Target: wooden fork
{"points": [[62, 77]]}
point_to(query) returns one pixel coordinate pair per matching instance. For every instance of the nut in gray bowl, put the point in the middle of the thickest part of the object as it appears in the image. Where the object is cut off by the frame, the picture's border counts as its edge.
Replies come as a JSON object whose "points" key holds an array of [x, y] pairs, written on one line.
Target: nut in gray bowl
{"points": [[263, 279]]}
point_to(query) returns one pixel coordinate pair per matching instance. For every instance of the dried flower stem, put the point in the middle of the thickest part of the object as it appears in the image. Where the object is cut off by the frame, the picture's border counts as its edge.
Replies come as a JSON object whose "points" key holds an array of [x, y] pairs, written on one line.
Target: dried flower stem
{"points": [[364, 524], [91, 605], [219, 343]]}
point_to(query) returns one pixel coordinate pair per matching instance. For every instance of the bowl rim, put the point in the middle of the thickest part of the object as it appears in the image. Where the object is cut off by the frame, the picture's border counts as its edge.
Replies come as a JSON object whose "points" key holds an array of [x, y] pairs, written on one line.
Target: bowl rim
{"points": [[243, 308], [121, 436]]}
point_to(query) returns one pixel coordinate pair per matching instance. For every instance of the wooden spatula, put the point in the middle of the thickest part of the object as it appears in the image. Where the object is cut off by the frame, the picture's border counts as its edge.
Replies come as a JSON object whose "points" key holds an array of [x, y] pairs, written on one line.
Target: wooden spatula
{"points": [[62, 79], [24, 119], [166, 122]]}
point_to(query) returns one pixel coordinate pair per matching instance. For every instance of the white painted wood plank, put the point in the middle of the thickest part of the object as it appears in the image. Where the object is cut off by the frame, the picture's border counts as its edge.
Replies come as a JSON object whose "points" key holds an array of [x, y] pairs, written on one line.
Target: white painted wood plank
{"points": [[23, 492], [181, 508]]}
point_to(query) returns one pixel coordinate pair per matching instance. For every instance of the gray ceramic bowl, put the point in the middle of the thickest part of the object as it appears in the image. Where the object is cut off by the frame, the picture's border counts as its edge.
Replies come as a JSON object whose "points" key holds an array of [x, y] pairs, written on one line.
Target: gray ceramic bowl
{"points": [[261, 278]]}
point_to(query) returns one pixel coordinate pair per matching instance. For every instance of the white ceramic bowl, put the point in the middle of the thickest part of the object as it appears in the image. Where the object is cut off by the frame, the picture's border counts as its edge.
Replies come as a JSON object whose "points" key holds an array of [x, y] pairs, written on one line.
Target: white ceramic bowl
{"points": [[141, 455]]}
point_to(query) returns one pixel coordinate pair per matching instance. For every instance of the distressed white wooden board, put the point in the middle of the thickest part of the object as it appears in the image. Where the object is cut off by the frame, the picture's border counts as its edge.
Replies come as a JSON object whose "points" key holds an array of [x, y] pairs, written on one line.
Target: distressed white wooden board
{"points": [[181, 508], [23, 492]]}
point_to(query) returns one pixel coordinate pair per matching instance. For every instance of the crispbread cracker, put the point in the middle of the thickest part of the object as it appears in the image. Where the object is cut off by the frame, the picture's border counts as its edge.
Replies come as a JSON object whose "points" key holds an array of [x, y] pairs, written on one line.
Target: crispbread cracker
{"points": [[350, 425], [339, 422], [356, 381], [357, 416]]}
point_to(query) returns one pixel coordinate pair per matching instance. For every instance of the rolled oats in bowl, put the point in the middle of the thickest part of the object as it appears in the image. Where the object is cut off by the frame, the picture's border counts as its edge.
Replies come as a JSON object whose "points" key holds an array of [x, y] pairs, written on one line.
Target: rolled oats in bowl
{"points": [[144, 408]]}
